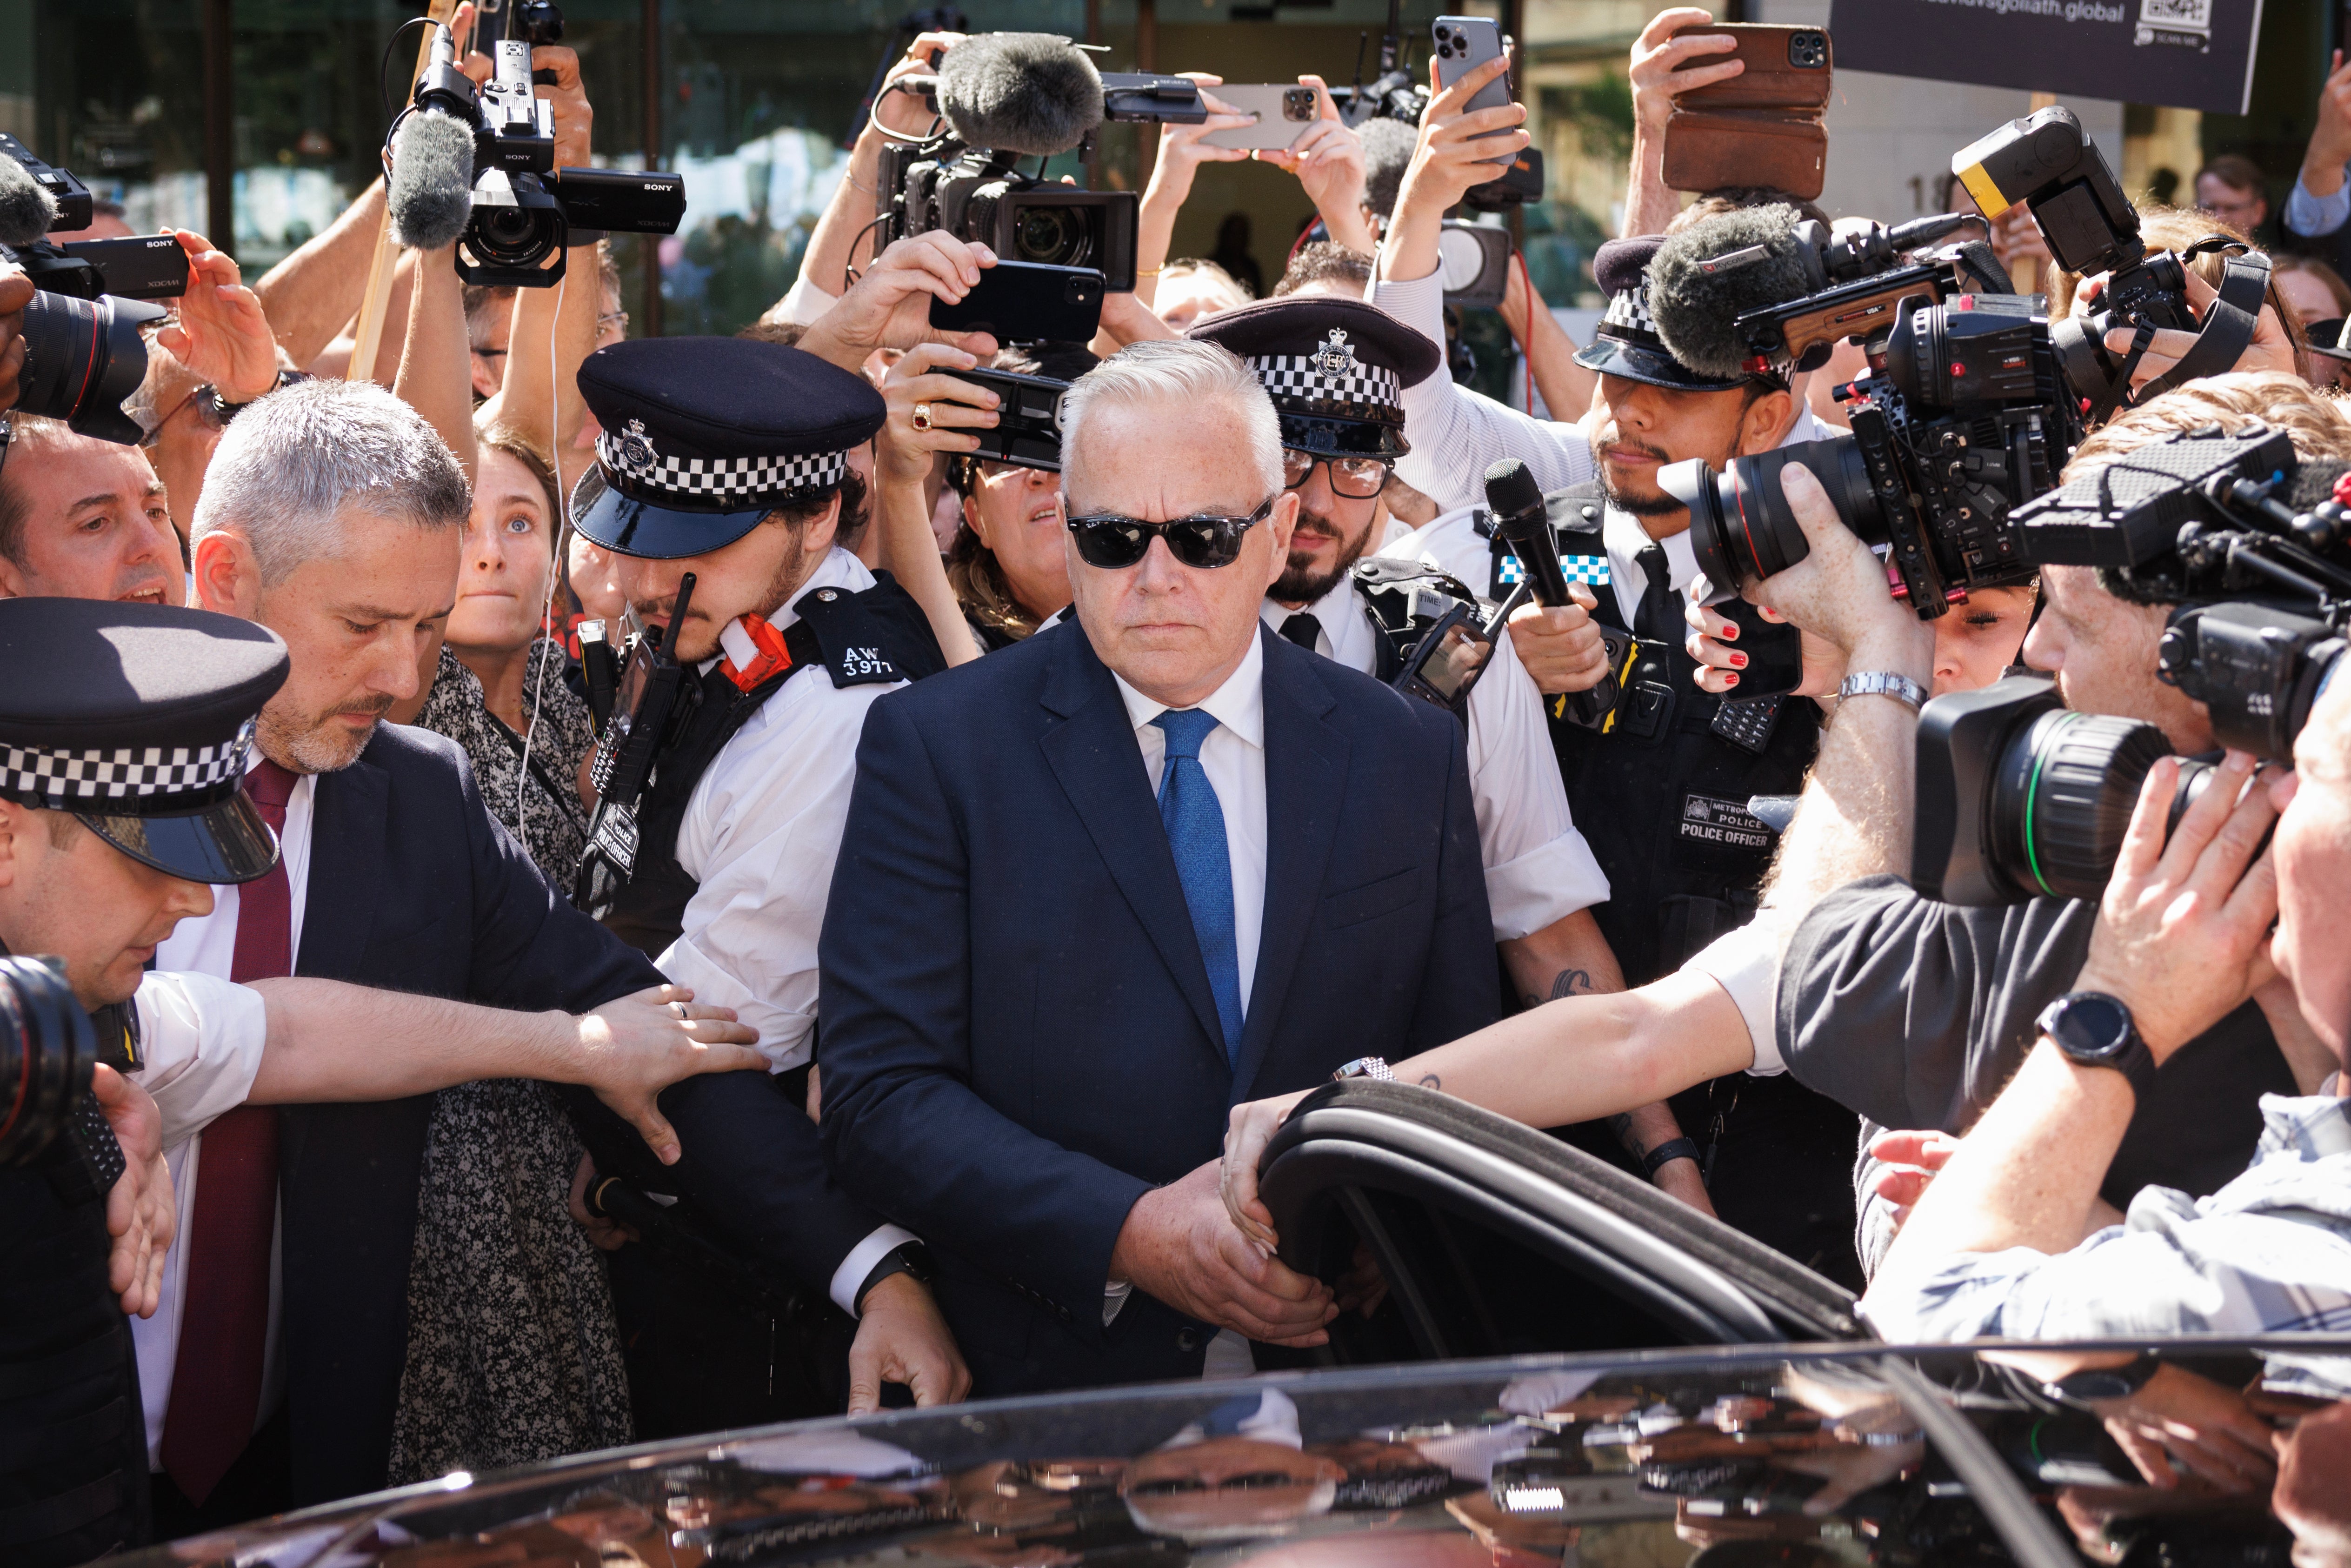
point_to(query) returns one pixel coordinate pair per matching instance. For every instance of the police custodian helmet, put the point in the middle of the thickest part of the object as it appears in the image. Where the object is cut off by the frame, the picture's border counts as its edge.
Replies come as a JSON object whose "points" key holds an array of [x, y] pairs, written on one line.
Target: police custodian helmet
{"points": [[704, 437], [139, 719]]}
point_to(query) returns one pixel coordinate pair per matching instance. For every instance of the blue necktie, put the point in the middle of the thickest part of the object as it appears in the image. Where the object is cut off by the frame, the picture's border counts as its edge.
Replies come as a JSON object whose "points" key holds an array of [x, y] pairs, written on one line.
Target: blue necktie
{"points": [[1196, 831]]}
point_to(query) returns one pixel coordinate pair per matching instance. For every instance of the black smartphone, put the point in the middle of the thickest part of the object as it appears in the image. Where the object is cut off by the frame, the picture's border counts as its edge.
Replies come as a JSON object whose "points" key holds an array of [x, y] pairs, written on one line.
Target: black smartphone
{"points": [[1027, 302], [1027, 433]]}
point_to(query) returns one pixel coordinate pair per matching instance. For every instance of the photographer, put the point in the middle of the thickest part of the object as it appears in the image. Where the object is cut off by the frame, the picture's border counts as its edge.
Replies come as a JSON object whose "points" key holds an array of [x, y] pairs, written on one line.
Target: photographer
{"points": [[1958, 988], [2278, 343]]}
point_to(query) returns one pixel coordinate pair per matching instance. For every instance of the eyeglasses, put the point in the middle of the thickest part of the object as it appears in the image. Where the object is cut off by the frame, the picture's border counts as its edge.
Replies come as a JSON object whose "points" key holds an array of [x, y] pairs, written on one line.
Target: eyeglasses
{"points": [[207, 400], [1357, 478], [1114, 543], [611, 319]]}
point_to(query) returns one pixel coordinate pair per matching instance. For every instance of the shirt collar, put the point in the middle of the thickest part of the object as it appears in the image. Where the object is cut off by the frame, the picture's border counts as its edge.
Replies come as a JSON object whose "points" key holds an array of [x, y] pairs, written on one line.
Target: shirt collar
{"points": [[1623, 534], [1238, 705], [1331, 609], [838, 568]]}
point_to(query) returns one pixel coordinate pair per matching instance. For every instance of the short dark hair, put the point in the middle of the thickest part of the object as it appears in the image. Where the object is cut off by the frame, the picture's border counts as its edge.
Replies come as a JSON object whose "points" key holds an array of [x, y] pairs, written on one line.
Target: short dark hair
{"points": [[2237, 171], [787, 333], [1388, 147], [15, 510], [1738, 199], [1325, 261]]}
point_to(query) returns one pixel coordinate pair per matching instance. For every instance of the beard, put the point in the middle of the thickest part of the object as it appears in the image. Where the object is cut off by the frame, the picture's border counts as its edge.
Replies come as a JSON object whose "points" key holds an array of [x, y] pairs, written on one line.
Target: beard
{"points": [[1657, 505], [315, 743], [1302, 581]]}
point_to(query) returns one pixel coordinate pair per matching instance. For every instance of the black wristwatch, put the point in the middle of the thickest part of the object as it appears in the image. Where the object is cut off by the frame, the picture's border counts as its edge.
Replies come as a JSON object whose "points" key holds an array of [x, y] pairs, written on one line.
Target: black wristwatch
{"points": [[907, 1258], [2098, 1383], [2095, 1029], [1666, 1153]]}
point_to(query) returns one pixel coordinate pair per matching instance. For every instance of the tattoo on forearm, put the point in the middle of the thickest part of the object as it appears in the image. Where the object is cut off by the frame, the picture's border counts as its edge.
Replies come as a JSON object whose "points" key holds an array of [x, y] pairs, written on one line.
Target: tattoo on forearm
{"points": [[1571, 983], [1621, 1125]]}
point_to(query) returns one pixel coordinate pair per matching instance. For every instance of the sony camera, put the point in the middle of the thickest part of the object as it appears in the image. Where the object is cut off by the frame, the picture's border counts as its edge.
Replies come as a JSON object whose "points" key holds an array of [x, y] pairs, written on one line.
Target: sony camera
{"points": [[2020, 798], [1004, 97], [524, 210], [83, 352], [1974, 401]]}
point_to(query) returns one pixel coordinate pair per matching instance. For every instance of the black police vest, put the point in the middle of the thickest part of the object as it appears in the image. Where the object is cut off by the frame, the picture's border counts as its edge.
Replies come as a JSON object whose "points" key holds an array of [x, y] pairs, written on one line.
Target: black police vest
{"points": [[1662, 795], [73, 1436], [877, 637]]}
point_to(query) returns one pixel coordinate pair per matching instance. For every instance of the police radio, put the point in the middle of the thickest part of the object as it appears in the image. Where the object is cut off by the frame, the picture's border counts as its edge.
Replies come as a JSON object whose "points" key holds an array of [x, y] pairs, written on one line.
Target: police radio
{"points": [[641, 707]]}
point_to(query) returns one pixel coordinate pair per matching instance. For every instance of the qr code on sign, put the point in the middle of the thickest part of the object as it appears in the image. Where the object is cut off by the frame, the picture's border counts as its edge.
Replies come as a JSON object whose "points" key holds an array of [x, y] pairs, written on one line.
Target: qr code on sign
{"points": [[2197, 14]]}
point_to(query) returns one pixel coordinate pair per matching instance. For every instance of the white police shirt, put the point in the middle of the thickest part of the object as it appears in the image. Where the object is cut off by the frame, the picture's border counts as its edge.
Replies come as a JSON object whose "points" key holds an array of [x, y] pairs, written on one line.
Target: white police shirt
{"points": [[1452, 543], [1538, 869], [761, 831]]}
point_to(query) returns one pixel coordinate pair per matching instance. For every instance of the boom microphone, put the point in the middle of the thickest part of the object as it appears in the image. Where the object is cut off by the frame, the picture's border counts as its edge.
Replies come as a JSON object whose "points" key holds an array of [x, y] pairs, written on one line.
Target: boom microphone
{"points": [[430, 191], [1704, 278], [26, 210], [1516, 502], [1030, 93]]}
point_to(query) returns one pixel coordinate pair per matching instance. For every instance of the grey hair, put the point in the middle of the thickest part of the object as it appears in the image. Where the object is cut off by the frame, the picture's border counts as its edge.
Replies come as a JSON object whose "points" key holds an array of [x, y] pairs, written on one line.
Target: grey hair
{"points": [[1181, 370], [294, 462]]}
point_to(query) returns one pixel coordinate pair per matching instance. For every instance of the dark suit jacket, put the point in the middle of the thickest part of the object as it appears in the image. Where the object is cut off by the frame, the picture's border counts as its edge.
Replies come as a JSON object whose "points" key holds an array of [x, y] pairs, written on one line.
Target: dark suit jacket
{"points": [[414, 887], [1019, 1039]]}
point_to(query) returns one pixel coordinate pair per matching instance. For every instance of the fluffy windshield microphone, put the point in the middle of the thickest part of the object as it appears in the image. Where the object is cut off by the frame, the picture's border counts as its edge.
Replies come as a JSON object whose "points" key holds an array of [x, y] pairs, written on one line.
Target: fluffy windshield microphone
{"points": [[431, 189], [1704, 278], [26, 210], [1523, 522], [1031, 93]]}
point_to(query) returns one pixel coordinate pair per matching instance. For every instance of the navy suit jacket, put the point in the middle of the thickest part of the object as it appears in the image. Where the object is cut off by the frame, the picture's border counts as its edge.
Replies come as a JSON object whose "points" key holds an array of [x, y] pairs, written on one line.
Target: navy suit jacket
{"points": [[414, 887], [1019, 1036]]}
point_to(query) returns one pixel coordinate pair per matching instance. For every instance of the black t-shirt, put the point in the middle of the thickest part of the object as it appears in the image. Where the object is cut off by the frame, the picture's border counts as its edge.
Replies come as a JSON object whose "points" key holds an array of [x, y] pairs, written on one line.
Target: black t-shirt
{"points": [[1915, 1013]]}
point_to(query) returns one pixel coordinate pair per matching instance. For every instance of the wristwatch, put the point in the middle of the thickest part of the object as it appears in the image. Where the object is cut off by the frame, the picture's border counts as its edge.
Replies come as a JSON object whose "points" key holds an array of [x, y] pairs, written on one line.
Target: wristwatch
{"points": [[2095, 1029], [1365, 1067], [2105, 1382], [1669, 1151], [907, 1257], [1884, 684]]}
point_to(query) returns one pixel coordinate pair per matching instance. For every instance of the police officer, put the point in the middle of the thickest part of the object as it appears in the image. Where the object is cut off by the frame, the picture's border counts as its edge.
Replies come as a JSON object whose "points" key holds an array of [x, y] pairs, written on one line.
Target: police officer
{"points": [[139, 727], [1334, 368], [725, 461], [1668, 769]]}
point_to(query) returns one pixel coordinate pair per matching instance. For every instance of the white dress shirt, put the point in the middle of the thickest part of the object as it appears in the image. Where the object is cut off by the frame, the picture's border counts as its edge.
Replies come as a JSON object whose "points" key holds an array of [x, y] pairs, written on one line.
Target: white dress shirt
{"points": [[196, 948], [1233, 758], [1538, 869], [761, 831], [1456, 433]]}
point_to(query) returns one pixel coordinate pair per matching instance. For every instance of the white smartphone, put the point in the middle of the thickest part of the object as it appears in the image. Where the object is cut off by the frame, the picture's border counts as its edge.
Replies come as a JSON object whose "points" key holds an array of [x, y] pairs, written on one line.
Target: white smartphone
{"points": [[1462, 44], [1284, 110]]}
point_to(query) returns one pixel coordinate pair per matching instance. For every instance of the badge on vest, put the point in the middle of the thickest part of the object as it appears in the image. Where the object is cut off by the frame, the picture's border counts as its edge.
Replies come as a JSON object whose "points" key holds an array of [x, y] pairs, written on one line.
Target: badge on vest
{"points": [[1711, 822]]}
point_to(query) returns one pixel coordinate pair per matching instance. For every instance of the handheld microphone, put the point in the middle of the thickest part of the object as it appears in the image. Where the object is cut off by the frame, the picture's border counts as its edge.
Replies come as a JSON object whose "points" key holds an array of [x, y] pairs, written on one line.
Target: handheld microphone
{"points": [[1035, 94], [430, 190], [1521, 517]]}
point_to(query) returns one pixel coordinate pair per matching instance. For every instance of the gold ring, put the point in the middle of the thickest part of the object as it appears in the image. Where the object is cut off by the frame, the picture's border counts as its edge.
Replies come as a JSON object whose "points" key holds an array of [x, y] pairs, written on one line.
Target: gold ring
{"points": [[922, 416]]}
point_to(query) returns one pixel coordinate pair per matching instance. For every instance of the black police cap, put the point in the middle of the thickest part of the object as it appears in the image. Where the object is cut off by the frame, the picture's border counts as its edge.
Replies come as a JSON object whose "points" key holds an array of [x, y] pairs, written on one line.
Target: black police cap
{"points": [[141, 723], [1335, 368], [1626, 343], [705, 437]]}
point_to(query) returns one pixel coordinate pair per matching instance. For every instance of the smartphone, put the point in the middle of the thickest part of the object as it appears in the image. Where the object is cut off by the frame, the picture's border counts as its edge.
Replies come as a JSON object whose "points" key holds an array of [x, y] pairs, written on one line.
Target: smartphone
{"points": [[1462, 44], [1787, 68], [1027, 433], [1283, 112], [1027, 302]]}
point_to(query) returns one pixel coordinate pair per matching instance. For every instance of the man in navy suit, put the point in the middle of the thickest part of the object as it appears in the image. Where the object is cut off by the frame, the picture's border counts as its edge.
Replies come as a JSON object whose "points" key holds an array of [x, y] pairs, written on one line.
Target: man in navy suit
{"points": [[1098, 887]]}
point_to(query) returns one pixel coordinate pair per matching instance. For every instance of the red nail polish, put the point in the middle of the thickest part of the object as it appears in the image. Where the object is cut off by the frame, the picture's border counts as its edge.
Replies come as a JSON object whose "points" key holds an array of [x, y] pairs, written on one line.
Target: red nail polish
{"points": [[1730, 630], [1737, 661], [1730, 680]]}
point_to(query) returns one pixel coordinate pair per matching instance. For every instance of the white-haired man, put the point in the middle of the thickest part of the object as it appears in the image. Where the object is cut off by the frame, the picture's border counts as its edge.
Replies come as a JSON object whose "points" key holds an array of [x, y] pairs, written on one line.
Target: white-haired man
{"points": [[1097, 887]]}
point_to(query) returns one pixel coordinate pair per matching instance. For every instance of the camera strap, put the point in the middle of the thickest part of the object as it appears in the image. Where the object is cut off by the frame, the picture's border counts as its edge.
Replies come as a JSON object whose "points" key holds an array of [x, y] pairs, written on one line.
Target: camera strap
{"points": [[2228, 331]]}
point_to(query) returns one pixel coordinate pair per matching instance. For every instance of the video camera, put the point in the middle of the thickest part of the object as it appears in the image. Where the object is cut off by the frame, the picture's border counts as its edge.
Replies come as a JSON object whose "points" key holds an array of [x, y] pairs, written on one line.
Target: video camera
{"points": [[2020, 798], [1003, 97], [478, 168], [83, 352], [1974, 401]]}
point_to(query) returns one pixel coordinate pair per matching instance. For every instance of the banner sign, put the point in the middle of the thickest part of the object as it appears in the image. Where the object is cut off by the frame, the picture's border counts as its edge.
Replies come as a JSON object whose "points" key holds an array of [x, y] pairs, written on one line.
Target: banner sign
{"points": [[2181, 53]]}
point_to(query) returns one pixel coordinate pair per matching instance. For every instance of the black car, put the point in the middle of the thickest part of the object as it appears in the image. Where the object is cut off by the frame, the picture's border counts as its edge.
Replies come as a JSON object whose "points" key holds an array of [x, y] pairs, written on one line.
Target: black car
{"points": [[1590, 1433]]}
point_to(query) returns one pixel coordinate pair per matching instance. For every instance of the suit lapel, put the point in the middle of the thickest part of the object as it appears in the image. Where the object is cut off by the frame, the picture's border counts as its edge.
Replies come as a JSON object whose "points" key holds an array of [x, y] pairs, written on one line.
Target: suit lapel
{"points": [[347, 812], [1305, 781], [1094, 755]]}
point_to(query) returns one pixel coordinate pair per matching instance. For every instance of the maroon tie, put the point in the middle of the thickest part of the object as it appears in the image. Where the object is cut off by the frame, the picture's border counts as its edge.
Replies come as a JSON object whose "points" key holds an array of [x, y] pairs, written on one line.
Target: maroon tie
{"points": [[225, 1310]]}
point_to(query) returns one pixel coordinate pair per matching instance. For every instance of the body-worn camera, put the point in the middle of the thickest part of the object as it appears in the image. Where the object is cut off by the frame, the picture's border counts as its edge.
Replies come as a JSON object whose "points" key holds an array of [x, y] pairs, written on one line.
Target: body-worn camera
{"points": [[83, 353], [1442, 633], [526, 211], [2019, 798]]}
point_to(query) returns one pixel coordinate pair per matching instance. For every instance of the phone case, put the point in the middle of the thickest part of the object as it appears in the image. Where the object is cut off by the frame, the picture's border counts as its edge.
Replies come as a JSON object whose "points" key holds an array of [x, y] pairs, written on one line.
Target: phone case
{"points": [[1027, 302], [1747, 147], [1272, 105], [1773, 78]]}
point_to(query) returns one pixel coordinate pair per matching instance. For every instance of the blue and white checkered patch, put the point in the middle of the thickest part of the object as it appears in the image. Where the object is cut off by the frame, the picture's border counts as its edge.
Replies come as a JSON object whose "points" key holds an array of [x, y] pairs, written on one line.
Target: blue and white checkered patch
{"points": [[1592, 570]]}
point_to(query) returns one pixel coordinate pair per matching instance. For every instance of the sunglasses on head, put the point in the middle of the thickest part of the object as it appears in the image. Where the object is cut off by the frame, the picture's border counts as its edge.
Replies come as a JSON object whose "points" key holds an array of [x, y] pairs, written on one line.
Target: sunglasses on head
{"points": [[1113, 543]]}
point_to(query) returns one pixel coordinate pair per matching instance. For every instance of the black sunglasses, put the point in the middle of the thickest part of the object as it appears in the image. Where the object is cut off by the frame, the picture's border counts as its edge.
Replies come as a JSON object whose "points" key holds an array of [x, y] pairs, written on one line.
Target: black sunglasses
{"points": [[1107, 540]]}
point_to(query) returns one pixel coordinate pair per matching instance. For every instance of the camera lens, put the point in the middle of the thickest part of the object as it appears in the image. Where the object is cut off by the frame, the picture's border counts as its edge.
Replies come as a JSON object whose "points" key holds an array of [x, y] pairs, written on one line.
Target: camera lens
{"points": [[46, 1051], [82, 358], [1056, 236], [1740, 525], [2063, 793]]}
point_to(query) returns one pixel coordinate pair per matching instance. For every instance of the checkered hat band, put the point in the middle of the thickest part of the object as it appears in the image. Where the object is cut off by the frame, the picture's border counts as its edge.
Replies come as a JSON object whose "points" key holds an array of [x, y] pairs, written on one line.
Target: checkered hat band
{"points": [[1629, 311], [1298, 378], [724, 478], [131, 773]]}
